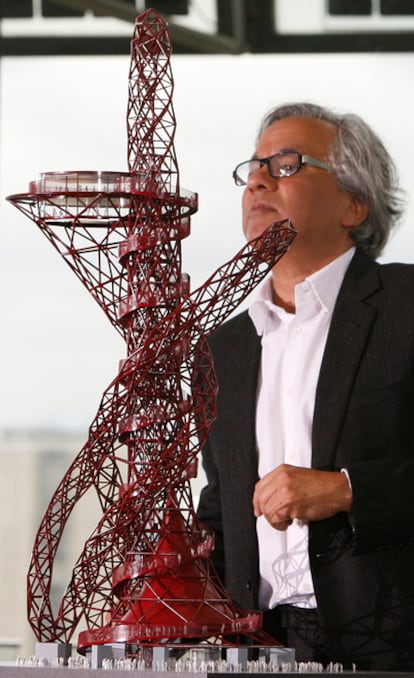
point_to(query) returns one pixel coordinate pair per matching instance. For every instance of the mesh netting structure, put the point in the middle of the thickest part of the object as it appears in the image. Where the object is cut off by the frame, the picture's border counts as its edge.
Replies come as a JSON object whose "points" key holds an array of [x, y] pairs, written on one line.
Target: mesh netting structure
{"points": [[144, 575]]}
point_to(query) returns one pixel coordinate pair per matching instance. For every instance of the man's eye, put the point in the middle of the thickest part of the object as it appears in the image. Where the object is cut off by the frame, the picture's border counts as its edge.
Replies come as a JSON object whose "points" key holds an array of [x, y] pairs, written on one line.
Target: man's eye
{"points": [[286, 168]]}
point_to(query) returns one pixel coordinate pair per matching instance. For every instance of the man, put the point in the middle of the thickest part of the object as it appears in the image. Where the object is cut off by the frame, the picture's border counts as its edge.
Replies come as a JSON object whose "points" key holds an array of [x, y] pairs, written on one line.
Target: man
{"points": [[310, 463]]}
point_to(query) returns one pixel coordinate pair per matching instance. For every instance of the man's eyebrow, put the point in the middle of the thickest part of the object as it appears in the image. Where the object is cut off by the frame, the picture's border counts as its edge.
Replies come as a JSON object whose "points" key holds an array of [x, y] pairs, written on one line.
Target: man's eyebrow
{"points": [[288, 149]]}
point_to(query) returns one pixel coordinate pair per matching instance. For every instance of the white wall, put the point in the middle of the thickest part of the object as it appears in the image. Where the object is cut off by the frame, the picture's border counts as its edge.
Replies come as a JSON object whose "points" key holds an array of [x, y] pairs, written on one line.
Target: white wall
{"points": [[58, 352]]}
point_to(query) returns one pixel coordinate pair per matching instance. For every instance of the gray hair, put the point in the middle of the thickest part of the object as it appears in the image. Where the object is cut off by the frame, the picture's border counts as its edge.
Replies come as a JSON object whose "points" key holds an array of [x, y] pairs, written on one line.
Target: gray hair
{"points": [[363, 168]]}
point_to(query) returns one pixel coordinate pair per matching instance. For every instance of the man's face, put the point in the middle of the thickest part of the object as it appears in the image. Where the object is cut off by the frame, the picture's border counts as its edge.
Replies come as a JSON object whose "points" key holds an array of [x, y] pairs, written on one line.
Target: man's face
{"points": [[318, 209]]}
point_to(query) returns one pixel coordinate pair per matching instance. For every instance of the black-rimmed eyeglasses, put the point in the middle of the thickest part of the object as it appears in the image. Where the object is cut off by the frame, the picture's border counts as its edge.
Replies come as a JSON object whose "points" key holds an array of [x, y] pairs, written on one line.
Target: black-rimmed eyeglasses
{"points": [[280, 165]]}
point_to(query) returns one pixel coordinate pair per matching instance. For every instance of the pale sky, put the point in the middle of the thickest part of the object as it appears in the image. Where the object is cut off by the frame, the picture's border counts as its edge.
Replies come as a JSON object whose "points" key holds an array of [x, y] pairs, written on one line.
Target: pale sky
{"points": [[58, 352]]}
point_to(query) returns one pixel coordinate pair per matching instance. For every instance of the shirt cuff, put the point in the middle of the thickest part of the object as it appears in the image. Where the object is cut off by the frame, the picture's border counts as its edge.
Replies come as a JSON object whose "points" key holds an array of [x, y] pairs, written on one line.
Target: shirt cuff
{"points": [[345, 472]]}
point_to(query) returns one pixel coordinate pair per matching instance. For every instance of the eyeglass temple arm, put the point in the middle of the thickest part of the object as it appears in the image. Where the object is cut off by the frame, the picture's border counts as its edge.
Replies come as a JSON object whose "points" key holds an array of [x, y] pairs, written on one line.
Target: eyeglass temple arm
{"points": [[318, 163]]}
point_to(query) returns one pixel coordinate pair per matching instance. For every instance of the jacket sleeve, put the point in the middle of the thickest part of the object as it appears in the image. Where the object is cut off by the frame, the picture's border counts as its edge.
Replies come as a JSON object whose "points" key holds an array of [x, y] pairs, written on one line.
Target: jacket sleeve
{"points": [[382, 514]]}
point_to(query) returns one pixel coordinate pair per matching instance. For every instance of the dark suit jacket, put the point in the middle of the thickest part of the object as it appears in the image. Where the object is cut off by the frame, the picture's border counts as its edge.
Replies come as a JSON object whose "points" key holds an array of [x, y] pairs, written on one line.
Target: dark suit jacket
{"points": [[362, 564]]}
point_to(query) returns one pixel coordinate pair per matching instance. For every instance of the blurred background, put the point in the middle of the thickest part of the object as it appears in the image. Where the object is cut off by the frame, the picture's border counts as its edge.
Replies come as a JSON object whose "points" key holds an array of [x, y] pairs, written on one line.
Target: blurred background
{"points": [[64, 86]]}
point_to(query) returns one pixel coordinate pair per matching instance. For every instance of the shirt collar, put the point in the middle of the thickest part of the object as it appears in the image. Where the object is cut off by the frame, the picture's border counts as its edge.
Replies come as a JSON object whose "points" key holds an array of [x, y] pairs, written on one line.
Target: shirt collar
{"points": [[317, 291]]}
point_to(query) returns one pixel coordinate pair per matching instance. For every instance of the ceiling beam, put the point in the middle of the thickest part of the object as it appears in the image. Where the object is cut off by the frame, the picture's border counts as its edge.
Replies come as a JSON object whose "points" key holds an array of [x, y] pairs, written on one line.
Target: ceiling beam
{"points": [[116, 8], [195, 41]]}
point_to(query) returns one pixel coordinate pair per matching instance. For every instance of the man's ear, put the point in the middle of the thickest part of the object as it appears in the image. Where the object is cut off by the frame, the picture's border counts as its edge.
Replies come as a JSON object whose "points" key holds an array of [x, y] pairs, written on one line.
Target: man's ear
{"points": [[356, 212]]}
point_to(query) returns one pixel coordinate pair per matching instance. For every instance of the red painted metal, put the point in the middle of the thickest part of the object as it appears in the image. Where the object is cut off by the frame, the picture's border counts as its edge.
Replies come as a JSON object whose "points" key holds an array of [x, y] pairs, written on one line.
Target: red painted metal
{"points": [[143, 576]]}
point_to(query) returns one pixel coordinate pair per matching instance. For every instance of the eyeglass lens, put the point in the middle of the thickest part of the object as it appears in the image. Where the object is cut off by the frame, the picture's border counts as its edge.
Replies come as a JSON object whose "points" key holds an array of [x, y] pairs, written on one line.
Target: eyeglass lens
{"points": [[279, 165]]}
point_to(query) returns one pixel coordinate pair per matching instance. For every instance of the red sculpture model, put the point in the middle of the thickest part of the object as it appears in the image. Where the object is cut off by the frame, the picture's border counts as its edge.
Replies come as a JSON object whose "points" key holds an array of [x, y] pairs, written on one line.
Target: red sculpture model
{"points": [[144, 576]]}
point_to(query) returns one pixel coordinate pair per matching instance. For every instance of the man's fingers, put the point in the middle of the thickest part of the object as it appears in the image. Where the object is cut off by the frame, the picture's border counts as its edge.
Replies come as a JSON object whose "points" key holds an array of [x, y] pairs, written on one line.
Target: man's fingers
{"points": [[282, 526]]}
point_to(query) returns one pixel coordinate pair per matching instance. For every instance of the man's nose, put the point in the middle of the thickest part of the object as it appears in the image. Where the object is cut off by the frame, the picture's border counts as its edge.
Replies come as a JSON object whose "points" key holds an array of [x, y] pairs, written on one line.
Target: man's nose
{"points": [[262, 178]]}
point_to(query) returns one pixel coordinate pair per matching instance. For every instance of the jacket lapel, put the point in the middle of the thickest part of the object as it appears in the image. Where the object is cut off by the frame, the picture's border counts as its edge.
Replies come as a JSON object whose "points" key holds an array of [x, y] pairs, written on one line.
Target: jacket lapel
{"points": [[351, 321], [244, 363]]}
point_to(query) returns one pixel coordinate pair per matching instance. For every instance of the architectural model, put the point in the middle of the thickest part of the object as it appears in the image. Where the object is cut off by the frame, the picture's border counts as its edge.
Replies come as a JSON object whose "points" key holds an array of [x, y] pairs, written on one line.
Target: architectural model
{"points": [[143, 577]]}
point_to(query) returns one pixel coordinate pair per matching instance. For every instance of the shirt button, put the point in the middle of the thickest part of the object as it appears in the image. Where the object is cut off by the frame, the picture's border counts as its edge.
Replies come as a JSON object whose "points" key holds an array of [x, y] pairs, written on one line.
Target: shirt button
{"points": [[297, 330], [307, 588]]}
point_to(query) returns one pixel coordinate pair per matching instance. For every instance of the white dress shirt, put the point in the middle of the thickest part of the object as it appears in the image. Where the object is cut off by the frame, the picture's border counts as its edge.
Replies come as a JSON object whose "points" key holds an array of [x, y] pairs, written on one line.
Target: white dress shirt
{"points": [[292, 349]]}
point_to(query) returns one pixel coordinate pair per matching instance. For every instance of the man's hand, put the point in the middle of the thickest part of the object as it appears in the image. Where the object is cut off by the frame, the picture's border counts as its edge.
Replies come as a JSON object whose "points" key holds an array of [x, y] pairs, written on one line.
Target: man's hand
{"points": [[290, 492]]}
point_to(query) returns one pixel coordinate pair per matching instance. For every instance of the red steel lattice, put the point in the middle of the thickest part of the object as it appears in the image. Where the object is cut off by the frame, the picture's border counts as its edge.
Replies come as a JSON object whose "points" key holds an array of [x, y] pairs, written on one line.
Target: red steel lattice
{"points": [[144, 575]]}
